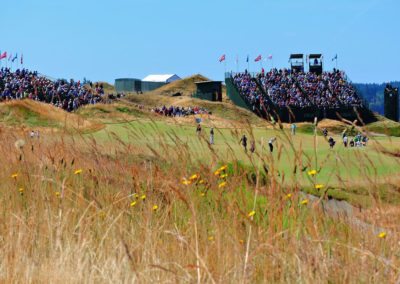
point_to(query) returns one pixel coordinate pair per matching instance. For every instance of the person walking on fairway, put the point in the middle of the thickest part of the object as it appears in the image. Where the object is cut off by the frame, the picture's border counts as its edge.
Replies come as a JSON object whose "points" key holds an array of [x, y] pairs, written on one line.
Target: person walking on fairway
{"points": [[332, 142], [212, 136], [252, 146], [198, 129], [243, 140], [293, 128], [271, 144], [345, 140]]}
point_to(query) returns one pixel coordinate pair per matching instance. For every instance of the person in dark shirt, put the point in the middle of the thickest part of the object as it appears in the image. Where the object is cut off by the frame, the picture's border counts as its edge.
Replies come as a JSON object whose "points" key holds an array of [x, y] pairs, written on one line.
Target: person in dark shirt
{"points": [[212, 136], [243, 140], [332, 142], [198, 129]]}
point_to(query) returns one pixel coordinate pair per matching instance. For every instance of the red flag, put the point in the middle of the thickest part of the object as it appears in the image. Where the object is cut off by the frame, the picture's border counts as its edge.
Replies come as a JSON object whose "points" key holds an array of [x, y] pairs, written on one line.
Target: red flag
{"points": [[4, 55], [222, 58], [258, 58]]}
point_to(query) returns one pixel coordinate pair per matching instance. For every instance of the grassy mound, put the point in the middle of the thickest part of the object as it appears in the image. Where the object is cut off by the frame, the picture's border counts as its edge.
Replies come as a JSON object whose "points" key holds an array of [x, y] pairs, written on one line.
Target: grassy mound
{"points": [[385, 126], [30, 113], [185, 86]]}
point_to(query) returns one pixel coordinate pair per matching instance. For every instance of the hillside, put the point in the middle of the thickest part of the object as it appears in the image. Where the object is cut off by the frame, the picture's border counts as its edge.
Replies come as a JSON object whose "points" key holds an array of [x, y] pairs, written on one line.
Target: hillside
{"points": [[186, 87], [29, 113]]}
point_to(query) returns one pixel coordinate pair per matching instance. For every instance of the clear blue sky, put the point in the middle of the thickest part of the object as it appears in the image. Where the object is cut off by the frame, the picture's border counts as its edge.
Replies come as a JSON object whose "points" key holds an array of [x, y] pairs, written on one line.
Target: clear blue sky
{"points": [[104, 40]]}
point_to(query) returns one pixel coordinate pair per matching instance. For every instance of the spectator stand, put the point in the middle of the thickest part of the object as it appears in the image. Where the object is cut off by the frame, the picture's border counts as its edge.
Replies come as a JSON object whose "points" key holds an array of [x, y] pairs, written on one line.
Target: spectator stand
{"points": [[315, 63], [297, 62]]}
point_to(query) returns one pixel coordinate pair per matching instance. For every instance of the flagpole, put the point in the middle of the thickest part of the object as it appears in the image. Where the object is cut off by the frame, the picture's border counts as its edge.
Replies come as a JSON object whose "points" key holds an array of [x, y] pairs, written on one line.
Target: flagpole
{"points": [[225, 65], [237, 63]]}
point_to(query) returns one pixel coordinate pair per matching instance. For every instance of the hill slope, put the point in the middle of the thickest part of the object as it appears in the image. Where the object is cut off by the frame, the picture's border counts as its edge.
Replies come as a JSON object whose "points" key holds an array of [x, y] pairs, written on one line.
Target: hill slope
{"points": [[29, 113], [186, 87]]}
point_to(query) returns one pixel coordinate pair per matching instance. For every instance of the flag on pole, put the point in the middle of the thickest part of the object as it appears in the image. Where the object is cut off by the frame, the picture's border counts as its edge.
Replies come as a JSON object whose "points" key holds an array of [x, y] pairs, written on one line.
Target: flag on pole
{"points": [[4, 55], [222, 58], [10, 57], [22, 59], [258, 58], [15, 58], [247, 59], [334, 58]]}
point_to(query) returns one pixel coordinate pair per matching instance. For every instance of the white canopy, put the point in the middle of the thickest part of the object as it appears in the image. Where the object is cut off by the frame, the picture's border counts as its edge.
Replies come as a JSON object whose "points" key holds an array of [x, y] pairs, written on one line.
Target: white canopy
{"points": [[165, 78]]}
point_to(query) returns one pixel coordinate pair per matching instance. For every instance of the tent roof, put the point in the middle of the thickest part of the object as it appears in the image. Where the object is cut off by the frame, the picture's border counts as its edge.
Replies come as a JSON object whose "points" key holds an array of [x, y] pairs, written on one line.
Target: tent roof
{"points": [[296, 56], [158, 78], [312, 56]]}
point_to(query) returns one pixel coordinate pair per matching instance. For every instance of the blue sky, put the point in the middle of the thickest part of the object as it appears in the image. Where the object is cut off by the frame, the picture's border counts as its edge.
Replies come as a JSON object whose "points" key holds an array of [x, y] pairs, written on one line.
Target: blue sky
{"points": [[104, 40]]}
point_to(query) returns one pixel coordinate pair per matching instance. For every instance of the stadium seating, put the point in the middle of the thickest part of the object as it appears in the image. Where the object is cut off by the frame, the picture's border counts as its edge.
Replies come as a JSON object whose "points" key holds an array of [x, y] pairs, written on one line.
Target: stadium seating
{"points": [[69, 96], [330, 90]]}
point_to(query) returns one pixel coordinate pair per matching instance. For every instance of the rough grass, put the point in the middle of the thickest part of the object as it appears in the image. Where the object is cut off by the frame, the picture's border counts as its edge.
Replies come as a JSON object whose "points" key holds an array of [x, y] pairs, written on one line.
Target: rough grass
{"points": [[73, 212]]}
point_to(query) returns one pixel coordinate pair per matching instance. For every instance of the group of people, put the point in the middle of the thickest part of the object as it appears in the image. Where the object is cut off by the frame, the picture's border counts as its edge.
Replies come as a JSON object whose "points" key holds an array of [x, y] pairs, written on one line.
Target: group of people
{"points": [[297, 89], [359, 140], [176, 111], [69, 96]]}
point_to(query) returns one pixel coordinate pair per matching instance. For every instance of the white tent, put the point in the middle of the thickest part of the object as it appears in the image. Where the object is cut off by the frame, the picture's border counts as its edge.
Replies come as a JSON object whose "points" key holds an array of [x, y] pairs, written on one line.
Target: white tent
{"points": [[166, 78]]}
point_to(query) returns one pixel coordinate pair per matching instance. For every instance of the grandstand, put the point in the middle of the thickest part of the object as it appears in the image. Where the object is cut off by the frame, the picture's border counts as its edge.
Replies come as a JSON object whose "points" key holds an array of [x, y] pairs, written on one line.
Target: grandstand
{"points": [[296, 95], [69, 96]]}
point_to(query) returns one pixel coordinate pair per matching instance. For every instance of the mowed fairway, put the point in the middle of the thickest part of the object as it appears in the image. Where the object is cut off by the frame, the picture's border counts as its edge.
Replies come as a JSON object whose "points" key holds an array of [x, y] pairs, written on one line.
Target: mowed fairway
{"points": [[291, 160]]}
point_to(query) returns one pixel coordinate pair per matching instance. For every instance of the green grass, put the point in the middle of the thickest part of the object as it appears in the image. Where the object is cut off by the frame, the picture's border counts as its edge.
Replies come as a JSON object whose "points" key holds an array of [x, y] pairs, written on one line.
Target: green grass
{"points": [[337, 168]]}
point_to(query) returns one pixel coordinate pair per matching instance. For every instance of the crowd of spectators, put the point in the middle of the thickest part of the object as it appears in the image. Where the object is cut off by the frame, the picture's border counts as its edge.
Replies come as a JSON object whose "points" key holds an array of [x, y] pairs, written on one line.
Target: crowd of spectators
{"points": [[176, 111], [69, 96], [298, 89]]}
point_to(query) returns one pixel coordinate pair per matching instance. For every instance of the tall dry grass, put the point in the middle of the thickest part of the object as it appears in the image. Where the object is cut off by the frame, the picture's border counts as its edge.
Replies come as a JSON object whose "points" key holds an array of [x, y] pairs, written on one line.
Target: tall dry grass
{"points": [[77, 211]]}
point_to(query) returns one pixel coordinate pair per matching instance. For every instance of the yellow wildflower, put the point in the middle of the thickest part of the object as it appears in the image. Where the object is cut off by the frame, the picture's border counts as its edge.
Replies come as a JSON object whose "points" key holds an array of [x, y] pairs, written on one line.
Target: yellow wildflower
{"points": [[186, 182], [14, 175], [304, 202], [201, 181], [21, 191], [102, 214], [251, 213], [133, 203], [312, 173], [57, 193], [222, 184], [241, 242], [78, 172], [223, 168], [288, 196], [217, 172], [382, 235], [202, 194], [223, 176], [319, 186], [210, 238], [194, 177], [155, 207], [143, 197], [135, 195]]}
